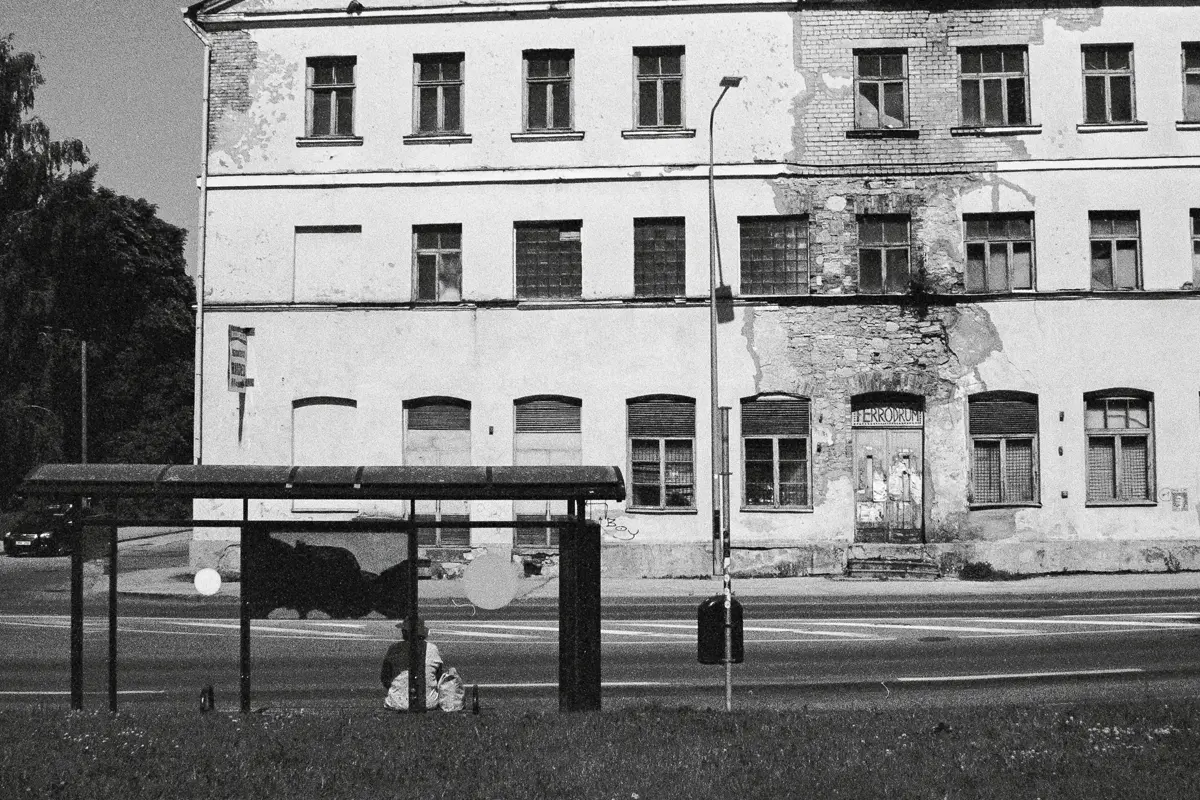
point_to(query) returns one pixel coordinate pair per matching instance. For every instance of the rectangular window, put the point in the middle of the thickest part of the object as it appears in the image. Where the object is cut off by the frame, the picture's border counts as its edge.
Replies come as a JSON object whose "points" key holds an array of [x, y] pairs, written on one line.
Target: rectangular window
{"points": [[883, 257], [659, 86], [327, 263], [549, 259], [1120, 450], [1004, 444], [1108, 83], [548, 89], [331, 96], [999, 252], [774, 255], [1195, 246], [547, 432], [881, 88], [662, 435], [658, 257], [1115, 245], [437, 262], [994, 86], [439, 92], [437, 433], [1191, 82], [775, 452]]}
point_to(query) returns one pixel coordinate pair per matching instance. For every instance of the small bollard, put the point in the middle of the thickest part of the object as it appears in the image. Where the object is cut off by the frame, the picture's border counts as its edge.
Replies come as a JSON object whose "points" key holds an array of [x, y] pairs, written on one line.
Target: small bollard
{"points": [[475, 699], [207, 700]]}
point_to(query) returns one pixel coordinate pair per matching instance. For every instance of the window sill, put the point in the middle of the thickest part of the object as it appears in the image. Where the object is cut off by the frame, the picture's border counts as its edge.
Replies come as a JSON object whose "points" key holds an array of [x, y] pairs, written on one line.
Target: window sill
{"points": [[1119, 503], [438, 138], [663, 511], [329, 141], [537, 301], [771, 510], [1188, 125], [1124, 290], [883, 133], [659, 133], [548, 136], [990, 506], [996, 130], [1112, 127]]}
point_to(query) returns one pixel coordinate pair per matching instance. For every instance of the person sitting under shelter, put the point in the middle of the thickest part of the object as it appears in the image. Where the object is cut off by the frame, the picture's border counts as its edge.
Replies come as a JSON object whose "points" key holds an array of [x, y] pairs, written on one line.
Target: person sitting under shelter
{"points": [[393, 673]]}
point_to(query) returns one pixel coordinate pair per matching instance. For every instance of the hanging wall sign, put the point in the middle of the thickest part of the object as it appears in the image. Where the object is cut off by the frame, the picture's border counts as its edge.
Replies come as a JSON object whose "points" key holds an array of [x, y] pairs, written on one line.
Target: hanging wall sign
{"points": [[238, 337]]}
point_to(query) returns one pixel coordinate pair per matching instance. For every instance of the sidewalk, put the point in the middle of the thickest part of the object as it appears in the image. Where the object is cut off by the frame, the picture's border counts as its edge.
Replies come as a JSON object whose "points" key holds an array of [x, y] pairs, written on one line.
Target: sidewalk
{"points": [[177, 582]]}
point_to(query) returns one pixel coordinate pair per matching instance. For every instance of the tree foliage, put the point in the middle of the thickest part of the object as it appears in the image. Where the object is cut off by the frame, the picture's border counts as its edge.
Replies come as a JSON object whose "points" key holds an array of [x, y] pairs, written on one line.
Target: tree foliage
{"points": [[79, 262]]}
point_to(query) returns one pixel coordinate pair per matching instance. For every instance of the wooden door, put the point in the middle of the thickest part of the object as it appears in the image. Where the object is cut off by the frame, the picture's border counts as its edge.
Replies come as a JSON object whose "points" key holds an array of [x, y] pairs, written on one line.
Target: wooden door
{"points": [[889, 496]]}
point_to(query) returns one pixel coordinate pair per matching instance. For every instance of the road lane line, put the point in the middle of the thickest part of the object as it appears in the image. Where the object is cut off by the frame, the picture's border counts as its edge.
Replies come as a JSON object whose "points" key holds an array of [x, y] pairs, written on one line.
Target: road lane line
{"points": [[839, 634], [549, 685], [1015, 675], [489, 634], [898, 626], [64, 694]]}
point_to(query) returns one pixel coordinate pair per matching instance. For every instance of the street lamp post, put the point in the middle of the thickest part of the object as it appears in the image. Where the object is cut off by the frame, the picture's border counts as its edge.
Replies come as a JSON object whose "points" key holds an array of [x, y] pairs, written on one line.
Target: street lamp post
{"points": [[720, 535]]}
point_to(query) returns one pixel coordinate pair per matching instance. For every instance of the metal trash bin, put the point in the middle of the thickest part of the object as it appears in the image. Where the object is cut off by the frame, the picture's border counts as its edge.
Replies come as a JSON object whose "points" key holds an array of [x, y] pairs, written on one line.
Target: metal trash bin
{"points": [[710, 631]]}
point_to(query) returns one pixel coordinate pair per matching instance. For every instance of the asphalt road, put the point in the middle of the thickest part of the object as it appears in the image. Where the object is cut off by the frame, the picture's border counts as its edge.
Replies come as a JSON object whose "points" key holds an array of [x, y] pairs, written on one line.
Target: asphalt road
{"points": [[833, 654]]}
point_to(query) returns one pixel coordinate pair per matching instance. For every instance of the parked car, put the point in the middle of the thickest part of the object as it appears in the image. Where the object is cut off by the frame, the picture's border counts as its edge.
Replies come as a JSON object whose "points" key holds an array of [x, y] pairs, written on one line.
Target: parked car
{"points": [[44, 530]]}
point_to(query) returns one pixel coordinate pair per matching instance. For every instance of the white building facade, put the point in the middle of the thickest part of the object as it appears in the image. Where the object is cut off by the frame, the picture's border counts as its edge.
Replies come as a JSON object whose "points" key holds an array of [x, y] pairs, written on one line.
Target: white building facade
{"points": [[962, 244]]}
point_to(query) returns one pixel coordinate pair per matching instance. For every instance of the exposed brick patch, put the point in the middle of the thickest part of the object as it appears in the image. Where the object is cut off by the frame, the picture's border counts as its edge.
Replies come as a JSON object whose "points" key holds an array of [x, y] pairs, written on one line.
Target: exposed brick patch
{"points": [[234, 56]]}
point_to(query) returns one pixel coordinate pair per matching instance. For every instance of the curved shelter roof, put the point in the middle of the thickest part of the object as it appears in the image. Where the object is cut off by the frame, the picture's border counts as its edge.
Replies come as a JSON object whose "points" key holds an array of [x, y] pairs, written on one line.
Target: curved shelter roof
{"points": [[264, 482]]}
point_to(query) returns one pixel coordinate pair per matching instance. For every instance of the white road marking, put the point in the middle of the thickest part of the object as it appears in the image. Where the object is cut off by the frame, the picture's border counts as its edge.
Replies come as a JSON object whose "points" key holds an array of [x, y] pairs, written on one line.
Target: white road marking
{"points": [[548, 685], [489, 634], [1013, 675], [839, 634], [899, 626], [63, 694]]}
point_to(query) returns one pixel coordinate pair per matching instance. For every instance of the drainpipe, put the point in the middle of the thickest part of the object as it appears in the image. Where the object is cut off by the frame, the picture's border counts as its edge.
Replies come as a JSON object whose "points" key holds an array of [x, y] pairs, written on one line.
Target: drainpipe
{"points": [[198, 376]]}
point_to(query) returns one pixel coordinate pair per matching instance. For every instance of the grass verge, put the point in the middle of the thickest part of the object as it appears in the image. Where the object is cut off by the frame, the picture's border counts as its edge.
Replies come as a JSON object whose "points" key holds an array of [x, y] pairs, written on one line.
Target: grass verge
{"points": [[1125, 750]]}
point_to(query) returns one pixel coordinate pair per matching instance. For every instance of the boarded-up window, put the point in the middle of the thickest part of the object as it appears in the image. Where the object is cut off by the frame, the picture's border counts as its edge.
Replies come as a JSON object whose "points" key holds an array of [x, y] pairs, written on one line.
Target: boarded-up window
{"points": [[1120, 442], [775, 452], [1004, 434], [662, 433], [328, 263], [325, 434], [438, 434], [549, 259], [547, 433]]}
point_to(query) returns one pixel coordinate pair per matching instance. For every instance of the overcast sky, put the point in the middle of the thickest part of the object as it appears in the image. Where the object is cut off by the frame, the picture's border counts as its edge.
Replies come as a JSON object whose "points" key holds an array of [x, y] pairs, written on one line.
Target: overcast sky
{"points": [[125, 76]]}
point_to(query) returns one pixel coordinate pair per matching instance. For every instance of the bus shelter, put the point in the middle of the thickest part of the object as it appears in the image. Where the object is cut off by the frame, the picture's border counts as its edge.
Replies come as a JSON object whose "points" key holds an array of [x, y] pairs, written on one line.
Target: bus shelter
{"points": [[579, 542]]}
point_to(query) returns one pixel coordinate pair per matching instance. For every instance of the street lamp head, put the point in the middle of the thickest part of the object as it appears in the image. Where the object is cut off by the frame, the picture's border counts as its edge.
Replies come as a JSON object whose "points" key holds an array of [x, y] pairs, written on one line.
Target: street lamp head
{"points": [[731, 81]]}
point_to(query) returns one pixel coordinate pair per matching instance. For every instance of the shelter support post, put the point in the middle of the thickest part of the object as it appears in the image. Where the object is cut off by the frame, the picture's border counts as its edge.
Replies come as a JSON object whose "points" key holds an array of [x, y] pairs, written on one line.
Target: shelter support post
{"points": [[416, 652], [244, 609], [579, 613], [77, 613], [112, 619]]}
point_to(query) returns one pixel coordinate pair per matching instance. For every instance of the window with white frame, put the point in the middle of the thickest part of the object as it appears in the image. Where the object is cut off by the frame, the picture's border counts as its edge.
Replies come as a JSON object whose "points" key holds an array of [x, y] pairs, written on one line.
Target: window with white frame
{"points": [[437, 262], [881, 89], [1191, 82], [325, 434], [774, 255], [662, 437], [549, 259], [1115, 240], [994, 86], [330, 96], [547, 432], [548, 101], [659, 257], [999, 252], [1108, 83], [437, 433], [438, 81], [883, 253], [1119, 425], [659, 78], [775, 458], [1003, 427]]}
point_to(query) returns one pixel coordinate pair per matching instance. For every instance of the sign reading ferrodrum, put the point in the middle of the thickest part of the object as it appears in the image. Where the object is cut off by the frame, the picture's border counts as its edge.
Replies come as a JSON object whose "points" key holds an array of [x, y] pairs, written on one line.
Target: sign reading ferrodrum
{"points": [[888, 468]]}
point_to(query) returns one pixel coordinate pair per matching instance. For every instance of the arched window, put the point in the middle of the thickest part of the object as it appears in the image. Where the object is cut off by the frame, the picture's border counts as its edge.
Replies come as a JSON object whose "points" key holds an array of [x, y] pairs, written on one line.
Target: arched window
{"points": [[437, 433], [662, 438], [1003, 427], [1119, 425], [325, 434], [775, 451], [546, 432]]}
